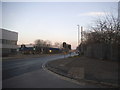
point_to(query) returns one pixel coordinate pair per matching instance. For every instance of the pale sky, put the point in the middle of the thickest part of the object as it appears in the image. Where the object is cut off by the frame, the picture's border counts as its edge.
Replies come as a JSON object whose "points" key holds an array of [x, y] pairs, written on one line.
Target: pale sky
{"points": [[54, 21]]}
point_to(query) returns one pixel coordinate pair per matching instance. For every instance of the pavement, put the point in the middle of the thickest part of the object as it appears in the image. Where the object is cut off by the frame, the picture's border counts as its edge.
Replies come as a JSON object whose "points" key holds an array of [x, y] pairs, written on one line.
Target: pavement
{"points": [[22, 56], [38, 79], [90, 71], [15, 67], [32, 73]]}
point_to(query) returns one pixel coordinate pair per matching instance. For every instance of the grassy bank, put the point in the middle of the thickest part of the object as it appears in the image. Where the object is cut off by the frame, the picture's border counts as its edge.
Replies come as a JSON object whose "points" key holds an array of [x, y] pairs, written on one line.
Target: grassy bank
{"points": [[87, 69]]}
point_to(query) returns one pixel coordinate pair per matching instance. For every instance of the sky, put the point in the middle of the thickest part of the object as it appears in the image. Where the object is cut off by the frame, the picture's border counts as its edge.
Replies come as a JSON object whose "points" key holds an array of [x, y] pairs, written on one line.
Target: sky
{"points": [[54, 21]]}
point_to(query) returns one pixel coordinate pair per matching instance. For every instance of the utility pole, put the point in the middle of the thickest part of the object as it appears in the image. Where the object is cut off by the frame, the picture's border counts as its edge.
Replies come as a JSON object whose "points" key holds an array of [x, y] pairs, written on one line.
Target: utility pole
{"points": [[82, 51], [78, 34], [81, 34], [119, 10]]}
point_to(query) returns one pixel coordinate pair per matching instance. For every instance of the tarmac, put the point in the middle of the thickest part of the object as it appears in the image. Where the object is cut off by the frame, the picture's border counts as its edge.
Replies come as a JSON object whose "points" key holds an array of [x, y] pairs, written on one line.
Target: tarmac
{"points": [[83, 70], [39, 78], [22, 56]]}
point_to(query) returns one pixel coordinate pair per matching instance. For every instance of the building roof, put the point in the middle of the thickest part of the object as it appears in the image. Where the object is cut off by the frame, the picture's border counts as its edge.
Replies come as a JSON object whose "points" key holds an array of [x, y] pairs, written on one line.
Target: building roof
{"points": [[9, 35]]}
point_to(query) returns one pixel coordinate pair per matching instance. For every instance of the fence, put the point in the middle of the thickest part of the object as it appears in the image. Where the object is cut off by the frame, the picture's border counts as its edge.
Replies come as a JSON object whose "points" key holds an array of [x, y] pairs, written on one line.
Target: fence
{"points": [[101, 51]]}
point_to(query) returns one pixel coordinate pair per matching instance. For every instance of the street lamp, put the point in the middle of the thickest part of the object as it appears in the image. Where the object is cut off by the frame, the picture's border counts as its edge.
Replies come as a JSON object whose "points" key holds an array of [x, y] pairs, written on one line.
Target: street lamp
{"points": [[81, 34], [78, 34]]}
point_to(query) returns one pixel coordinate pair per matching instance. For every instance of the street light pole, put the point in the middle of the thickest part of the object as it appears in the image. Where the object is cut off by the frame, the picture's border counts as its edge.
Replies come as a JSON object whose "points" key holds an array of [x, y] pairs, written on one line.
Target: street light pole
{"points": [[78, 34], [81, 34]]}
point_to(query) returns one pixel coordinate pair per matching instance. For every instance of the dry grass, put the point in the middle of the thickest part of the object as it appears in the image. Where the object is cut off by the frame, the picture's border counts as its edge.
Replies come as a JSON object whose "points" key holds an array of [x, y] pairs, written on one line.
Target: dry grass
{"points": [[99, 70]]}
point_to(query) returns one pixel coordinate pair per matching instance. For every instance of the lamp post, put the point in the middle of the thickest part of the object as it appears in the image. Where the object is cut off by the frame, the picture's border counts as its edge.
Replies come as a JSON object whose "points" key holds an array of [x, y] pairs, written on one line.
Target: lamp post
{"points": [[119, 10], [78, 34], [81, 34]]}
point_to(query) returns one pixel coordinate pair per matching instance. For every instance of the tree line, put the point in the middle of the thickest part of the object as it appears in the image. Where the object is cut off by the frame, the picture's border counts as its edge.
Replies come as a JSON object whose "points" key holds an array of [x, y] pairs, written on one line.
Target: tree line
{"points": [[47, 43], [103, 40]]}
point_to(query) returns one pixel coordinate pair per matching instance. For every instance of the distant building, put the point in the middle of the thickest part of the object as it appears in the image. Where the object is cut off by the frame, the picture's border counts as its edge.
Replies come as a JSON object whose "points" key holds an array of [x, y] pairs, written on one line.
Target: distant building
{"points": [[8, 42], [32, 49], [27, 49]]}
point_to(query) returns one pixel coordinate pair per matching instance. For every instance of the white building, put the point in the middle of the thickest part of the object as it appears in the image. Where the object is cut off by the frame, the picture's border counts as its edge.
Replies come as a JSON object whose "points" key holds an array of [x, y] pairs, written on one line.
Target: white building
{"points": [[8, 42]]}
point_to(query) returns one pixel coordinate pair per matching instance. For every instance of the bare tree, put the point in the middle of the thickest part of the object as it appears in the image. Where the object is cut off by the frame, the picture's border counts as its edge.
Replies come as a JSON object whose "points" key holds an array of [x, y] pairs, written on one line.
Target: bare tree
{"points": [[105, 30], [58, 45], [39, 42], [48, 43], [42, 43]]}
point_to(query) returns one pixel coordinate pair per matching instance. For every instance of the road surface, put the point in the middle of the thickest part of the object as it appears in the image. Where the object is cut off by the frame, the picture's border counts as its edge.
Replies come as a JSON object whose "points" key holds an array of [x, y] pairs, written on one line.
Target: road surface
{"points": [[30, 73]]}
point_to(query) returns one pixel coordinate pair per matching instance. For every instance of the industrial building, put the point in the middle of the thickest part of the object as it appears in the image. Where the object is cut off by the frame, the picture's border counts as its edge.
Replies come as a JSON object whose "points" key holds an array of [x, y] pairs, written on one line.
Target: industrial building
{"points": [[32, 49], [8, 42]]}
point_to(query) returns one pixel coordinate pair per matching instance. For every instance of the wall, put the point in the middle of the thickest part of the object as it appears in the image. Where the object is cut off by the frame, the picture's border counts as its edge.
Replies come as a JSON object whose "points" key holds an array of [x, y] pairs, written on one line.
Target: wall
{"points": [[8, 42], [9, 35], [102, 51]]}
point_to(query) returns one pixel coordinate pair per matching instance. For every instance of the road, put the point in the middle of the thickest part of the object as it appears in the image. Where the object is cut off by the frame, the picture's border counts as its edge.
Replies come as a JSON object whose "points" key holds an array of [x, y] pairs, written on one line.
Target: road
{"points": [[30, 73]]}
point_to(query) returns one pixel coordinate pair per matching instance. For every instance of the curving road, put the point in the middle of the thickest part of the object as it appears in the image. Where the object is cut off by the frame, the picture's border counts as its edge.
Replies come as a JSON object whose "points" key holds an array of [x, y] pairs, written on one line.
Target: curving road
{"points": [[30, 73]]}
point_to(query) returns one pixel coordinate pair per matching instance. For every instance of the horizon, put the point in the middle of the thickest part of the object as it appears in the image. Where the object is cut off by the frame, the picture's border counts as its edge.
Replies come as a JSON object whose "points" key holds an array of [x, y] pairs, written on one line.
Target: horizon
{"points": [[54, 21]]}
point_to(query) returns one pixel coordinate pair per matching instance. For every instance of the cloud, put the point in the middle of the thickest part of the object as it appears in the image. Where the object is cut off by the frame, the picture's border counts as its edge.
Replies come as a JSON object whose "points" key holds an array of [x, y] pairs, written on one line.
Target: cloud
{"points": [[93, 14]]}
